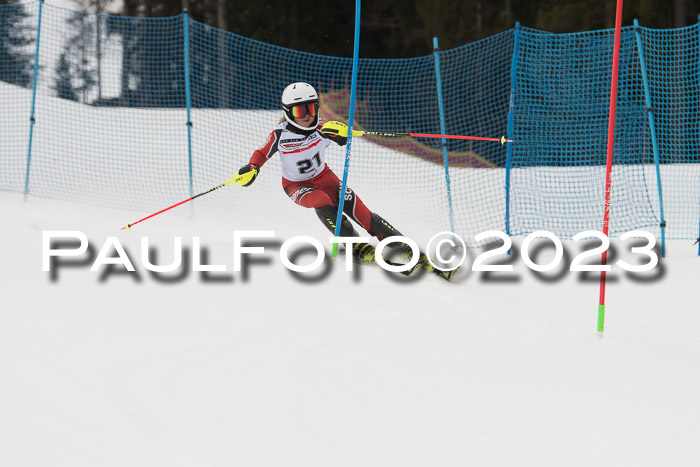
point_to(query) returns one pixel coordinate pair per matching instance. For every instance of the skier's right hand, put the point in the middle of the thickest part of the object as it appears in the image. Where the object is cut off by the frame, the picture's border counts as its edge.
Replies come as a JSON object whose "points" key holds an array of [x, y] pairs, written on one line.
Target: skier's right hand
{"points": [[249, 168]]}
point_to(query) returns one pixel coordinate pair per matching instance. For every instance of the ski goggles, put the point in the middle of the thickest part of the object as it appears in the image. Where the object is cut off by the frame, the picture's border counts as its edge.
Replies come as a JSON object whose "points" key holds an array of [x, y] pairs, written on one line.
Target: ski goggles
{"points": [[302, 110]]}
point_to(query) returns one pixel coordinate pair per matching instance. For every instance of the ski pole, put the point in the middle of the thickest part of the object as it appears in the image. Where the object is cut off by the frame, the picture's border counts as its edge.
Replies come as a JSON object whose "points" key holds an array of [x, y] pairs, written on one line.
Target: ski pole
{"points": [[502, 139], [238, 179], [338, 128]]}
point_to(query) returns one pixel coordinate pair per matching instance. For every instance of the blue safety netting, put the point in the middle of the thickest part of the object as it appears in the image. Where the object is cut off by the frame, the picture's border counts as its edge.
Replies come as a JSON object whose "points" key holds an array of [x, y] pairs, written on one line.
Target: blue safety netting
{"points": [[562, 98], [140, 112]]}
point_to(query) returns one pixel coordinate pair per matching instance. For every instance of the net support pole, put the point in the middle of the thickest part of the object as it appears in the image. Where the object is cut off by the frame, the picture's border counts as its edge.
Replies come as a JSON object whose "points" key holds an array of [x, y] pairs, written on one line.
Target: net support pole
{"points": [[353, 89], [188, 94], [31, 117], [652, 129], [609, 160], [511, 107], [698, 75], [443, 130]]}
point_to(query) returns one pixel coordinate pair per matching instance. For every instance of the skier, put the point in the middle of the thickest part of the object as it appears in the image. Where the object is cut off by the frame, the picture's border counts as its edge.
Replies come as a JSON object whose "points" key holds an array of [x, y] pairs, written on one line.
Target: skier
{"points": [[306, 178]]}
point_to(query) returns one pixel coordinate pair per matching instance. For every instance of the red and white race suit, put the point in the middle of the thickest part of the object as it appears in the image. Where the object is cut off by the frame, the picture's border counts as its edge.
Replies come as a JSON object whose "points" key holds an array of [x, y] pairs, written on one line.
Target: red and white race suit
{"points": [[303, 154], [306, 178]]}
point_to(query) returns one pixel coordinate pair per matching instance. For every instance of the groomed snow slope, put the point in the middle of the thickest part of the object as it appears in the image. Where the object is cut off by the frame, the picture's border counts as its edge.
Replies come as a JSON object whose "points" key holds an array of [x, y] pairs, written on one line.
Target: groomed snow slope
{"points": [[345, 370]]}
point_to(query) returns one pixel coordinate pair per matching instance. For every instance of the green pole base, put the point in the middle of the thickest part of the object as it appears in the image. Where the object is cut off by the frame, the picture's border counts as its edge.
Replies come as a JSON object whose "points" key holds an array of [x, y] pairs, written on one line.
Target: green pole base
{"points": [[601, 318], [334, 250]]}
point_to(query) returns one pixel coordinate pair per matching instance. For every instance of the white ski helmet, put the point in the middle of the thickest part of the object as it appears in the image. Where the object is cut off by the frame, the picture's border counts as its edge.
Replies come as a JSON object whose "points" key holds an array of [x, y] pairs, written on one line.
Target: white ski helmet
{"points": [[293, 96]]}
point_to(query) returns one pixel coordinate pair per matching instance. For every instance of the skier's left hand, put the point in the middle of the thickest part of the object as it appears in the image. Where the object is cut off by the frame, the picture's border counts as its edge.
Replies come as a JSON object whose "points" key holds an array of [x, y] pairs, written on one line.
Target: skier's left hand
{"points": [[336, 131]]}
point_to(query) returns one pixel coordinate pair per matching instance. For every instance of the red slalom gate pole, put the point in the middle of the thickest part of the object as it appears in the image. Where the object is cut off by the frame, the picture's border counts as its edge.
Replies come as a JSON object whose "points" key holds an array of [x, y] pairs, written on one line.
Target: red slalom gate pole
{"points": [[609, 161]]}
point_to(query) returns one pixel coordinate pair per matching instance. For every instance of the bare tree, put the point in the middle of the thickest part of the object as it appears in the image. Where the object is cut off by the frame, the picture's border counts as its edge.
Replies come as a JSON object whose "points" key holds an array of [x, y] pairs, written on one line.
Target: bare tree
{"points": [[610, 11], [680, 10], [222, 24], [100, 7]]}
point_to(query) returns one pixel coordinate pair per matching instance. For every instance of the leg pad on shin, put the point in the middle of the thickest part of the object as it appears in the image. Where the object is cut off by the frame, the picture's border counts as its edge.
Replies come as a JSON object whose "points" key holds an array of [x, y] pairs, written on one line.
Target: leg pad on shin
{"points": [[329, 214], [382, 229]]}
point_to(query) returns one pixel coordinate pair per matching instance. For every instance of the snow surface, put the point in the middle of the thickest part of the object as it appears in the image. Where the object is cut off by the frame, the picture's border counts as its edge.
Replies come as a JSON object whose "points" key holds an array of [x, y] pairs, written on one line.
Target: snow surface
{"points": [[352, 369]]}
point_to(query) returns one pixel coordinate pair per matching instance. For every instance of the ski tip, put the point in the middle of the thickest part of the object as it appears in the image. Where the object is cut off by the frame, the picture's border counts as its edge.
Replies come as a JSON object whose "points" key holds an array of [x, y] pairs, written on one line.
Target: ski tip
{"points": [[446, 275], [127, 227], [449, 276]]}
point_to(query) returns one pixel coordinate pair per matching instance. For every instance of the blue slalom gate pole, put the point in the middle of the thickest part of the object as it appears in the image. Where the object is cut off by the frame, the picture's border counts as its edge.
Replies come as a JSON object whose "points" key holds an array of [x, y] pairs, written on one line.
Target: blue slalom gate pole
{"points": [[31, 118], [511, 106], [652, 128], [188, 95], [443, 130], [353, 88]]}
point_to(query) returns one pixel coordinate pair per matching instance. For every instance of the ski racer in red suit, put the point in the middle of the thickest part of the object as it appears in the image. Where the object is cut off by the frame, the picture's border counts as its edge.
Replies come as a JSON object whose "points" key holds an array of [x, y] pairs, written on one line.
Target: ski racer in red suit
{"points": [[310, 183], [306, 178]]}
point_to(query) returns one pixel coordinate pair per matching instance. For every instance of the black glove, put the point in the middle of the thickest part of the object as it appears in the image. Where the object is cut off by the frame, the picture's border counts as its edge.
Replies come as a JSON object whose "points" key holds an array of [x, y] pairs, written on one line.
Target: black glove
{"points": [[339, 140], [247, 168], [334, 131]]}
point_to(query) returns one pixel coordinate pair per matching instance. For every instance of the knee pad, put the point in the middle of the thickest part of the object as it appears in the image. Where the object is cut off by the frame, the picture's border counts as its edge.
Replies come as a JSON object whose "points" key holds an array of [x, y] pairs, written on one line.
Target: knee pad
{"points": [[310, 197], [329, 214]]}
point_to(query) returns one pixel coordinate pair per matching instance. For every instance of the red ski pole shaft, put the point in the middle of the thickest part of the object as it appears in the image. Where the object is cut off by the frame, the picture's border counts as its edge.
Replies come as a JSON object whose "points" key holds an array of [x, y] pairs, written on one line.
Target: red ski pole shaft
{"points": [[241, 179], [501, 140], [128, 226]]}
